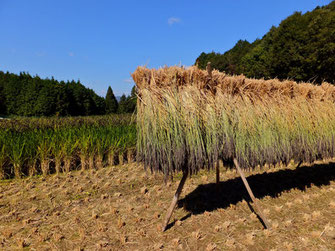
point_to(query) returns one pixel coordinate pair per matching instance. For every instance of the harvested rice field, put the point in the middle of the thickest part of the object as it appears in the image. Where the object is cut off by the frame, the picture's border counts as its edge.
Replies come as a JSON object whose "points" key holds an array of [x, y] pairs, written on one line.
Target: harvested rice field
{"points": [[122, 208]]}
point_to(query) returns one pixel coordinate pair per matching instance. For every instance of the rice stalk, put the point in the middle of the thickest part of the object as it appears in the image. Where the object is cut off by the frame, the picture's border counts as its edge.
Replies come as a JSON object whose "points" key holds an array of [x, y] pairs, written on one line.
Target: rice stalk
{"points": [[186, 120]]}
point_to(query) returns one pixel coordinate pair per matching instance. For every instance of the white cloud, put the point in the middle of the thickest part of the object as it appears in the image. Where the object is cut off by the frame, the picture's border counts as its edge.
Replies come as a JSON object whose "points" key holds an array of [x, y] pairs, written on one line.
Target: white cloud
{"points": [[128, 80], [71, 54], [173, 20]]}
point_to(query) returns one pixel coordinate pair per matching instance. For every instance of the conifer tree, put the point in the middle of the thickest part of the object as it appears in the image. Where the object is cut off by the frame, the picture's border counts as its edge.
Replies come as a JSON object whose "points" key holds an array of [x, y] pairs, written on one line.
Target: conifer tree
{"points": [[127, 104], [123, 104], [132, 100], [2, 101], [111, 102]]}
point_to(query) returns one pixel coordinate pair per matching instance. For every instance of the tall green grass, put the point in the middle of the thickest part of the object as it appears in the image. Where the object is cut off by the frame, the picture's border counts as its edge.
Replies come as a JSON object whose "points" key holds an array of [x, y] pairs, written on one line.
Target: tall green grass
{"points": [[30, 146]]}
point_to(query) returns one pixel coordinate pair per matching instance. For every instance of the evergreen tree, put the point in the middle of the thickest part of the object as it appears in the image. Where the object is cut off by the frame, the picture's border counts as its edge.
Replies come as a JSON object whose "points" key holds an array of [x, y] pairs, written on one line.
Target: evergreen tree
{"points": [[122, 104], [111, 102], [132, 100], [99, 103], [62, 100], [2, 100], [127, 104]]}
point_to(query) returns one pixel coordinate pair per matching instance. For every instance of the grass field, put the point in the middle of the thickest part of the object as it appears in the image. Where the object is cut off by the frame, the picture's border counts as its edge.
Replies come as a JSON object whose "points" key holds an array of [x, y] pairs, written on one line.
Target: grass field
{"points": [[121, 208], [32, 146]]}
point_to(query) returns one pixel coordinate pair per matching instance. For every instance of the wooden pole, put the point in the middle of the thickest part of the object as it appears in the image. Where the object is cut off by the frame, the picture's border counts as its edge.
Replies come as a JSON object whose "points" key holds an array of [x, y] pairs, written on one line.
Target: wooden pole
{"points": [[246, 184], [209, 69], [174, 200], [217, 173], [299, 164]]}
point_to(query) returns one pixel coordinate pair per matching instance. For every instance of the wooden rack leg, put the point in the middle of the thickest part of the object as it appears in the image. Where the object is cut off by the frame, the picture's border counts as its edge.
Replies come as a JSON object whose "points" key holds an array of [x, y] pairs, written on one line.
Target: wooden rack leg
{"points": [[299, 164], [174, 201], [217, 173], [259, 211]]}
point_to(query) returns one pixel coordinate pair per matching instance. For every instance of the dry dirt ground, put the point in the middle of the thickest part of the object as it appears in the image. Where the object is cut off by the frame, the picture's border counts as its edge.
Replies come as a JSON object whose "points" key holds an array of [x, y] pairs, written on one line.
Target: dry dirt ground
{"points": [[122, 208]]}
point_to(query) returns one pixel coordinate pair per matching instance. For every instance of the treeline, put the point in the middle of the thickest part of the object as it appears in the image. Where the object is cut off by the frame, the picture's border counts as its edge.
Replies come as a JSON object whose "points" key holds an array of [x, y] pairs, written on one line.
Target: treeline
{"points": [[126, 104], [302, 48], [26, 95]]}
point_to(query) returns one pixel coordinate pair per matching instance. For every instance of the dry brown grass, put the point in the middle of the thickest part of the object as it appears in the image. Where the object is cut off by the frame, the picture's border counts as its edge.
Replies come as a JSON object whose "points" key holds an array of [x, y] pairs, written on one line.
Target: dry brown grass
{"points": [[154, 79], [121, 208]]}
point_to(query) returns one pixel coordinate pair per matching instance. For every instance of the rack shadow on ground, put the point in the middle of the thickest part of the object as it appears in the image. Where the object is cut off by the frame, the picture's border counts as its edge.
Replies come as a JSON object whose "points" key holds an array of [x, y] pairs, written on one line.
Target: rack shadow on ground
{"points": [[209, 197]]}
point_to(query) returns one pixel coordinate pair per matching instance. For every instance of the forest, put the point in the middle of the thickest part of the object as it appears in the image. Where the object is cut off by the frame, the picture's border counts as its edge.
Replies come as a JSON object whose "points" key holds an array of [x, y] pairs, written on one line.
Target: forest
{"points": [[301, 48], [26, 95]]}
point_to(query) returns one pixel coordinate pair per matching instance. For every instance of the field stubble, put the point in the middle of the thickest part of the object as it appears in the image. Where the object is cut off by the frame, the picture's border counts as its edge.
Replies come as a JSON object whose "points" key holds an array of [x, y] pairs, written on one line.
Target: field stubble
{"points": [[121, 208]]}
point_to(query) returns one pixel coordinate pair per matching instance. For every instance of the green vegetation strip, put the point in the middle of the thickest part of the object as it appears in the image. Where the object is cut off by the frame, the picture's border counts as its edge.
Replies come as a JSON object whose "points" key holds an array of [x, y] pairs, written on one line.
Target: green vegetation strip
{"points": [[30, 146]]}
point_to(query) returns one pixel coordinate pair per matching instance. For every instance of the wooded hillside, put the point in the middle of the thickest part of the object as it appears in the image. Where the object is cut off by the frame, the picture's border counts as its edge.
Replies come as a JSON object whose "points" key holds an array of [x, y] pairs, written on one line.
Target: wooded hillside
{"points": [[26, 95], [302, 48]]}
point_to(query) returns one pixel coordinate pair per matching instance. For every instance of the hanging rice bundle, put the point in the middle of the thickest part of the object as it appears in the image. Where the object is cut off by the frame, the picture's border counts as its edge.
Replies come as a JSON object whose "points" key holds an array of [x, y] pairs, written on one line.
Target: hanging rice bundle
{"points": [[190, 119]]}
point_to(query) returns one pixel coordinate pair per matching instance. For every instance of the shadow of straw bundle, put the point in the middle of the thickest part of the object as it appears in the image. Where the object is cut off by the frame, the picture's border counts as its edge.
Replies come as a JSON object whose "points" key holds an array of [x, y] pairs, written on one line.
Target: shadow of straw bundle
{"points": [[188, 119]]}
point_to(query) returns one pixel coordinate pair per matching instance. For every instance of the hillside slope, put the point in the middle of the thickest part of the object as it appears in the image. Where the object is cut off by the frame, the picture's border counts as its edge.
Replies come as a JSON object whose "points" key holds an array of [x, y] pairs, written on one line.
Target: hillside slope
{"points": [[300, 48]]}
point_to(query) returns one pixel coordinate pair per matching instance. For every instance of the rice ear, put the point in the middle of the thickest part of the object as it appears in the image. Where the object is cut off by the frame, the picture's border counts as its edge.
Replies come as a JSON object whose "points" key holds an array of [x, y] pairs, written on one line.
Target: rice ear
{"points": [[188, 120]]}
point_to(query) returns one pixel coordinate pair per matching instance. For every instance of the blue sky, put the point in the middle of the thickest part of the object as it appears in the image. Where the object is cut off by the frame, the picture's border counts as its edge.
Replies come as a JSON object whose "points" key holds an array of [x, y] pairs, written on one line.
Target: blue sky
{"points": [[101, 42]]}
